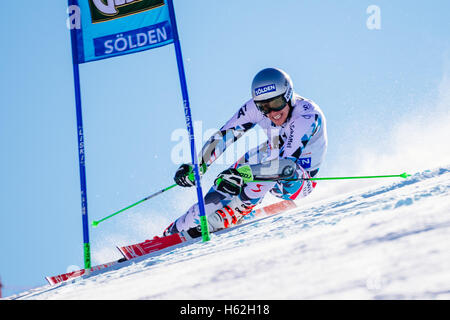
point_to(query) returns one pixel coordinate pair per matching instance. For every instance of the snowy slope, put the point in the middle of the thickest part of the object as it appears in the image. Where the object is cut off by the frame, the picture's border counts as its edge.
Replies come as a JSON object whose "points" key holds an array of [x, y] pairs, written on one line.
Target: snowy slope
{"points": [[388, 242]]}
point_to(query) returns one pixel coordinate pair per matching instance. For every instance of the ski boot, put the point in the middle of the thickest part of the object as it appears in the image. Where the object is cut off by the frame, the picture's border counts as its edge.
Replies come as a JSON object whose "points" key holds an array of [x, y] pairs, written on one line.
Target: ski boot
{"points": [[230, 215]]}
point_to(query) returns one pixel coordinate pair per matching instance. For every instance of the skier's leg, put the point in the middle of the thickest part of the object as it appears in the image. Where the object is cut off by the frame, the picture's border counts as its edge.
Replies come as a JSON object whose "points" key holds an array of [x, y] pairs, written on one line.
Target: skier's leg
{"points": [[225, 203], [249, 195], [213, 201], [239, 206], [252, 194]]}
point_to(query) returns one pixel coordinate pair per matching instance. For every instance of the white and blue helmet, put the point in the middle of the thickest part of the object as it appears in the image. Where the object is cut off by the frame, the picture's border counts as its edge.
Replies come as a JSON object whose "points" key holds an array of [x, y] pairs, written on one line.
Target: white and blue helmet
{"points": [[272, 83]]}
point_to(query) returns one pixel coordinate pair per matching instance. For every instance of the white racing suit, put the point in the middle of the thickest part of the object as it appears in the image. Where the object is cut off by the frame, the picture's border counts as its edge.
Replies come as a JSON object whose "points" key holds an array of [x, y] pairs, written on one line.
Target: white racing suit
{"points": [[302, 138]]}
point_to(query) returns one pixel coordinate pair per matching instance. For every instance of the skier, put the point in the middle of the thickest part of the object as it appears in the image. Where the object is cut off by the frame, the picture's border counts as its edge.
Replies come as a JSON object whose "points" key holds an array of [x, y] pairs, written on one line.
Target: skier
{"points": [[296, 131]]}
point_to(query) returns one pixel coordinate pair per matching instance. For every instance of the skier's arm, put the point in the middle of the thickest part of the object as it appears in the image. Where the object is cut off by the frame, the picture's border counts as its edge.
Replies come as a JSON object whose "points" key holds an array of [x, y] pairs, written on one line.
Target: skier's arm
{"points": [[242, 121]]}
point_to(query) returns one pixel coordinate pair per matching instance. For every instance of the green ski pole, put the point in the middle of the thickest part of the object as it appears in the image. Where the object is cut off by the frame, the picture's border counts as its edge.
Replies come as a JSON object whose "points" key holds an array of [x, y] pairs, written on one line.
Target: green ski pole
{"points": [[403, 175], [95, 223]]}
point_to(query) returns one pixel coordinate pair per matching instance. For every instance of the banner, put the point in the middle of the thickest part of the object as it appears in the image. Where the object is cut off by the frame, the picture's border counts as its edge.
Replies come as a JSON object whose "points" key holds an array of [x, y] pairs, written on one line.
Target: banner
{"points": [[102, 29], [112, 28]]}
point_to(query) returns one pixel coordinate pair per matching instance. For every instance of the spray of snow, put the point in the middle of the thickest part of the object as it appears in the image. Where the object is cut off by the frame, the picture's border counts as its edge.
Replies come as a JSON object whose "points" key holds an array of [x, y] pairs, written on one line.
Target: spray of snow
{"points": [[416, 143]]}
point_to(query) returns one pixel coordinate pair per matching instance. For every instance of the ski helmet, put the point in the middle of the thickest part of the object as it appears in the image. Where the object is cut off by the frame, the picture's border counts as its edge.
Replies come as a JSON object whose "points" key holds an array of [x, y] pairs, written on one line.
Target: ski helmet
{"points": [[272, 83]]}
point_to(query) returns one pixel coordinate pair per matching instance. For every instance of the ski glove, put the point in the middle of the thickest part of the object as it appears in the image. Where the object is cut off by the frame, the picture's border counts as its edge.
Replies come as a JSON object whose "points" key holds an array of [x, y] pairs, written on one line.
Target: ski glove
{"points": [[185, 175], [229, 181]]}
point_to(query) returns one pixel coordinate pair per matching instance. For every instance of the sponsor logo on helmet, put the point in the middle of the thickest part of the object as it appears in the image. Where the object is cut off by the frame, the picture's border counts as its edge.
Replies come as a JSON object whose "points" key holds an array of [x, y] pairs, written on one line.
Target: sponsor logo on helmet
{"points": [[105, 10], [288, 94], [261, 90]]}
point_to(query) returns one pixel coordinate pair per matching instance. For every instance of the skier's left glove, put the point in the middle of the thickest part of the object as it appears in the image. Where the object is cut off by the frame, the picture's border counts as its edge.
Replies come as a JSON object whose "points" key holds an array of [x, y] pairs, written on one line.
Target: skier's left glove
{"points": [[229, 181]]}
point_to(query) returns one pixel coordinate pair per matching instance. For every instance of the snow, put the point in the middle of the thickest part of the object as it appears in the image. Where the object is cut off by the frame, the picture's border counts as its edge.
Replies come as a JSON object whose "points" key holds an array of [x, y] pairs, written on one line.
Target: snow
{"points": [[389, 241]]}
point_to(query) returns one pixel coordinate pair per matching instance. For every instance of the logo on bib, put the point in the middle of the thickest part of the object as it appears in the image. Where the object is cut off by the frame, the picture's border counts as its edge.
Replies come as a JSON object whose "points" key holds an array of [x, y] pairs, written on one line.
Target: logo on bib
{"points": [[305, 163]]}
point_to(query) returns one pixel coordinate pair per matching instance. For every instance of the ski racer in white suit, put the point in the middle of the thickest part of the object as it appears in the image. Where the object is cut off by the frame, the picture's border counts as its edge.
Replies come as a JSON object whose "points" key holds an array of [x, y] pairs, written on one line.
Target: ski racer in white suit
{"points": [[296, 130]]}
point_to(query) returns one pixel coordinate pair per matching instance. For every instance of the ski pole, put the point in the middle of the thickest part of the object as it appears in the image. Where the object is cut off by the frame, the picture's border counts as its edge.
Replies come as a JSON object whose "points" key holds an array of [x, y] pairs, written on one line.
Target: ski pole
{"points": [[403, 175], [95, 223]]}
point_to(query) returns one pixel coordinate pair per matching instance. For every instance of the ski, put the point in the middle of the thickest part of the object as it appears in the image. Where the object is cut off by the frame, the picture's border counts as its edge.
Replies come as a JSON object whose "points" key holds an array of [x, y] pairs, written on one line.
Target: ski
{"points": [[78, 273], [274, 208], [159, 243], [148, 246]]}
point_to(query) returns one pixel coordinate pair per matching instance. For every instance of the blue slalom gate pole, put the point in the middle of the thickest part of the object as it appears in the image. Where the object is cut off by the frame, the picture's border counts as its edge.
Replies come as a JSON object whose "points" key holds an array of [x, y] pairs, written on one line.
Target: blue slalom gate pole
{"points": [[81, 153], [188, 117]]}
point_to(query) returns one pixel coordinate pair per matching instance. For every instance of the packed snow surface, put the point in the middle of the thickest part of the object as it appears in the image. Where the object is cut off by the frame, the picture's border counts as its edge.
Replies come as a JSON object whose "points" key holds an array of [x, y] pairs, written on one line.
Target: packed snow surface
{"points": [[385, 242]]}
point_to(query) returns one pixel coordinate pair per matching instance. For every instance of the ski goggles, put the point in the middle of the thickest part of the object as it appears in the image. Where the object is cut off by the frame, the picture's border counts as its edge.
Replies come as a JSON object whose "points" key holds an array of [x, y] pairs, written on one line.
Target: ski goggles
{"points": [[273, 104]]}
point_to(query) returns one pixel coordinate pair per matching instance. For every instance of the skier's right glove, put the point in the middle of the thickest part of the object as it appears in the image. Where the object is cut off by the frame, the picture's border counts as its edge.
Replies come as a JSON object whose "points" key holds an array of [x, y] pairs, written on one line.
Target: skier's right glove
{"points": [[185, 175]]}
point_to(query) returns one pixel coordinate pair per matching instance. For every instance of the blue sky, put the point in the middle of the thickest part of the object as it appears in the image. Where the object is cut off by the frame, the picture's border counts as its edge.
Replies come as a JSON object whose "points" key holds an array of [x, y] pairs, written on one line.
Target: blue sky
{"points": [[370, 83]]}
